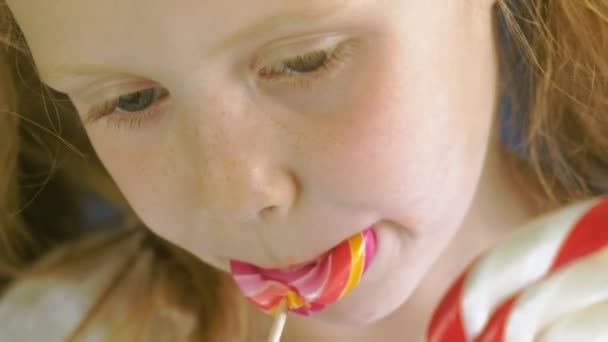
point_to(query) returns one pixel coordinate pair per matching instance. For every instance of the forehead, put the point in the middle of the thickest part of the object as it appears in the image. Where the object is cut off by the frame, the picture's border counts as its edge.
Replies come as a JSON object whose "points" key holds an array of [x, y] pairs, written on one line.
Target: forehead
{"points": [[63, 31]]}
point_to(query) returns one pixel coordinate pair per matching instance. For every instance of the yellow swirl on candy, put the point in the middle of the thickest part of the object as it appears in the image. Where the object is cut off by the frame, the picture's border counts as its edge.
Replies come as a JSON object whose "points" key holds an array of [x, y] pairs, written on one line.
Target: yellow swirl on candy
{"points": [[310, 287]]}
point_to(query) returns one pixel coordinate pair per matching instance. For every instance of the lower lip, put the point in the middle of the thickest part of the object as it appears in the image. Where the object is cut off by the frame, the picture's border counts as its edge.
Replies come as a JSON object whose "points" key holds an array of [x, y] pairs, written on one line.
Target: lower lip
{"points": [[319, 283]]}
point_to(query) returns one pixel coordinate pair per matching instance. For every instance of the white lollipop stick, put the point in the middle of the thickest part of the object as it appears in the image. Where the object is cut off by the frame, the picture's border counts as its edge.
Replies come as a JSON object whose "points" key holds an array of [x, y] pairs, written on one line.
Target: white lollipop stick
{"points": [[279, 324]]}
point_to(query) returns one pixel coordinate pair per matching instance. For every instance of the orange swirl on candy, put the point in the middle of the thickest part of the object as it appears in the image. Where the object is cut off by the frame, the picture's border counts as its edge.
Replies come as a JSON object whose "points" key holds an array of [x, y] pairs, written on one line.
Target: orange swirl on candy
{"points": [[310, 287]]}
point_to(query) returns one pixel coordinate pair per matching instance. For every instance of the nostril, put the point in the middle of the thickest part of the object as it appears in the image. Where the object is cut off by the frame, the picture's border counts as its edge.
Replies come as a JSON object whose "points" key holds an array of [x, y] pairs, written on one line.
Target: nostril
{"points": [[268, 211]]}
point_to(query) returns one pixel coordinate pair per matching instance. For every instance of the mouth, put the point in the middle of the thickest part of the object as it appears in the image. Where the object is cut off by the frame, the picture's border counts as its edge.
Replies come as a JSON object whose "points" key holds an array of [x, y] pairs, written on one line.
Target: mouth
{"points": [[311, 286]]}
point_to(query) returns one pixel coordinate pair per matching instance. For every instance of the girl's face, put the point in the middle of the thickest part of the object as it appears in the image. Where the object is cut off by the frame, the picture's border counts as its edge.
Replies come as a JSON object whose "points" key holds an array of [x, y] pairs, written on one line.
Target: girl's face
{"points": [[270, 130]]}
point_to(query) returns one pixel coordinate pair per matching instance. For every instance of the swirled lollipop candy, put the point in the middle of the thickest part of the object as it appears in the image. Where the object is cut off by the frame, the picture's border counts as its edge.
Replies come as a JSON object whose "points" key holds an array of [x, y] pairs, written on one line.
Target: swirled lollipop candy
{"points": [[310, 287]]}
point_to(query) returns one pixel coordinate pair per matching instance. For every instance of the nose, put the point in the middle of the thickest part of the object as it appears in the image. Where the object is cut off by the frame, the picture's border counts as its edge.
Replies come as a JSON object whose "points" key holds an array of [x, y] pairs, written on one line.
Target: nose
{"points": [[246, 192], [241, 184], [241, 155]]}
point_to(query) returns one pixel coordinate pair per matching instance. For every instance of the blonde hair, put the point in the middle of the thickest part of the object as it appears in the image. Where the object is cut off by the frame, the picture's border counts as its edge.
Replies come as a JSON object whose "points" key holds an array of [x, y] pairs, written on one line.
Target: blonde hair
{"points": [[12, 226], [560, 78], [556, 47]]}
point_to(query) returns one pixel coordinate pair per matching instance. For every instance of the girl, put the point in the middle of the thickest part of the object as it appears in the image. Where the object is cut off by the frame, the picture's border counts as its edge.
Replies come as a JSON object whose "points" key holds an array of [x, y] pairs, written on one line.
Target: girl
{"points": [[270, 131]]}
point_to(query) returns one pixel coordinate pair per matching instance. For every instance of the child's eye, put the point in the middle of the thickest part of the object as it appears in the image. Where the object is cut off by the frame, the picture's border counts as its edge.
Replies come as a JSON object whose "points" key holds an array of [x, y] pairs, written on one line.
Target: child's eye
{"points": [[132, 108], [139, 100], [302, 70], [305, 63]]}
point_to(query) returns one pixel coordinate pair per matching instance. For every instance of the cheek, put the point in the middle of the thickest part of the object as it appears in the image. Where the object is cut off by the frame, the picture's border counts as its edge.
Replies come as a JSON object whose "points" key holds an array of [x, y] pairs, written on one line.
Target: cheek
{"points": [[405, 144], [161, 184], [142, 173]]}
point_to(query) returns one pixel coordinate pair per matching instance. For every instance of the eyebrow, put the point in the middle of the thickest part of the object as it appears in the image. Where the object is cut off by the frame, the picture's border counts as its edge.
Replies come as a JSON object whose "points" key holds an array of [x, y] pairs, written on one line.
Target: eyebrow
{"points": [[330, 8]]}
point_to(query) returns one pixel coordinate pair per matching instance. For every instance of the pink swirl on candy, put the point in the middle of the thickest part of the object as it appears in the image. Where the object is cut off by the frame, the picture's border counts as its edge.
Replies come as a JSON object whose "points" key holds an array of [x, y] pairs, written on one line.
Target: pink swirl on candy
{"points": [[310, 287]]}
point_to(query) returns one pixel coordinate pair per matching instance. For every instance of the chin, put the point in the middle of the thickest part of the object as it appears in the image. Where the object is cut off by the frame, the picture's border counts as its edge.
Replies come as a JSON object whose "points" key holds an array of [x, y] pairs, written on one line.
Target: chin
{"points": [[365, 312], [388, 284]]}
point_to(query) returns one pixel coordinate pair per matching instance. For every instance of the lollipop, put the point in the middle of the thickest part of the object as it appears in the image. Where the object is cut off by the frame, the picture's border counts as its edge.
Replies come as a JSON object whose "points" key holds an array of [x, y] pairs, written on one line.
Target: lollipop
{"points": [[507, 295], [308, 288]]}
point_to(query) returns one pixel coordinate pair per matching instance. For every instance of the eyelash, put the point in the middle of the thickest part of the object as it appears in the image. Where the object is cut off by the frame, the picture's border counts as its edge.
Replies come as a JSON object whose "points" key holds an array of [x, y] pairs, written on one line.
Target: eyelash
{"points": [[116, 119], [278, 72]]}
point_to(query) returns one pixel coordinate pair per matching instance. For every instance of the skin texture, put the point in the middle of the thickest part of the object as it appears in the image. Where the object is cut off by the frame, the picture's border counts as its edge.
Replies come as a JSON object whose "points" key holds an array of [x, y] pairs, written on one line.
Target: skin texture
{"points": [[275, 171]]}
